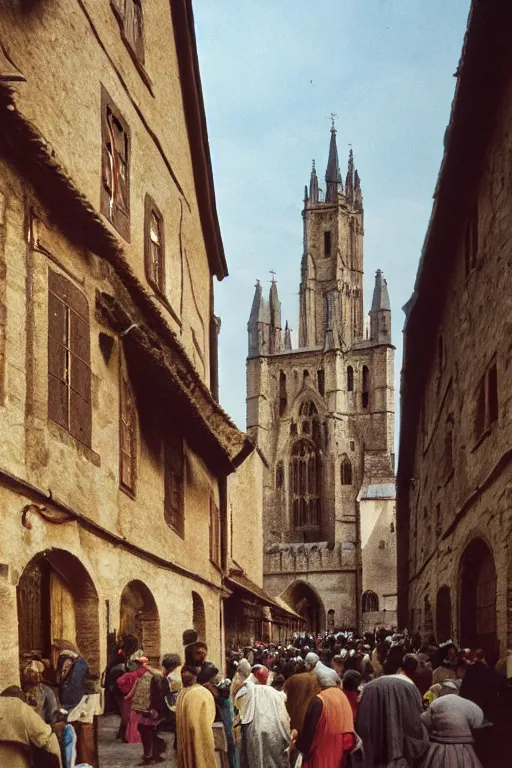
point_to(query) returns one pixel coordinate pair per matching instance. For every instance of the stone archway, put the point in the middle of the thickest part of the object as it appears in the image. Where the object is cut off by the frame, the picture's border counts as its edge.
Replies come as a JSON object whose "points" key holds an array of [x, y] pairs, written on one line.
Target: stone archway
{"points": [[57, 599], [477, 599], [139, 617], [305, 601]]}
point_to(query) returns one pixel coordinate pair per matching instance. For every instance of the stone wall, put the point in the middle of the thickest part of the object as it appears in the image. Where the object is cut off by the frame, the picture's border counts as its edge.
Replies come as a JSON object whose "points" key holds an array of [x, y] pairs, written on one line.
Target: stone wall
{"points": [[460, 488], [245, 516]]}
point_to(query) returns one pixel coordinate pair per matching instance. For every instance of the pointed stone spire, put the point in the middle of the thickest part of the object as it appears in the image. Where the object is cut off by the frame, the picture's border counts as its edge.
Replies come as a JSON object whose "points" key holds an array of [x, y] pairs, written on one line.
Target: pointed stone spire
{"points": [[313, 185], [350, 181], [258, 325], [380, 313], [358, 195], [258, 306], [333, 182], [287, 338], [275, 318]]}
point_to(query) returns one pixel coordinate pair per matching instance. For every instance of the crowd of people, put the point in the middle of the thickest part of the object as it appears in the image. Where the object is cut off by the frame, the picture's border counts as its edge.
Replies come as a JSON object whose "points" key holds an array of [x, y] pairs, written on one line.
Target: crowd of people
{"points": [[326, 701], [333, 700], [50, 720]]}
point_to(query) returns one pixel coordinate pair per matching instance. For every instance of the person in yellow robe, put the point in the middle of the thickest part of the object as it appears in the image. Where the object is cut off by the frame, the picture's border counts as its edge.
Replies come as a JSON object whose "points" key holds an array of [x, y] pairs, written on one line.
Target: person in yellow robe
{"points": [[22, 730], [195, 713]]}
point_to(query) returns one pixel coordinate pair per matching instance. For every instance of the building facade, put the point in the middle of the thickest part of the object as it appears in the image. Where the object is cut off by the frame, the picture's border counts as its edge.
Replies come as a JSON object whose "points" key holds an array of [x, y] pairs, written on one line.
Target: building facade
{"points": [[114, 452], [455, 473], [322, 415]]}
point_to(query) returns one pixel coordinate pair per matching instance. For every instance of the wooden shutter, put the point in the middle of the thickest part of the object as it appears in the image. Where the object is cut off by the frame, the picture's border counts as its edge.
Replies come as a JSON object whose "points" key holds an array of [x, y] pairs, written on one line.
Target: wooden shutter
{"points": [[127, 433], [115, 167], [174, 490], [154, 246], [69, 358]]}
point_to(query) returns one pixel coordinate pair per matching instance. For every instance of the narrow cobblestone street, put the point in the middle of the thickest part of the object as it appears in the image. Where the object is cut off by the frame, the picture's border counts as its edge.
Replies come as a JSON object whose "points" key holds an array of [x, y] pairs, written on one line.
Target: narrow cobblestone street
{"points": [[114, 754]]}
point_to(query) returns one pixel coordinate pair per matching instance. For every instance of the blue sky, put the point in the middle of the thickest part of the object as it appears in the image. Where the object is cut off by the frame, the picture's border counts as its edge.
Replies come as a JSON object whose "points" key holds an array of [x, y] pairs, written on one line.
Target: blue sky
{"points": [[272, 71]]}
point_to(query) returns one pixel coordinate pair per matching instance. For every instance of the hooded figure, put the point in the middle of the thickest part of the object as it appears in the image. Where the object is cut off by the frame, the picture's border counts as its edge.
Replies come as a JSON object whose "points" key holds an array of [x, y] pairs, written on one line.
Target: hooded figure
{"points": [[388, 722], [265, 727]]}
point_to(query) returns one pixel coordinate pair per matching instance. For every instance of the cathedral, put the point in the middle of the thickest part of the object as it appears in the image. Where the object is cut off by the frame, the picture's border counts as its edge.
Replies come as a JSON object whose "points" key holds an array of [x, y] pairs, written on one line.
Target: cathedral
{"points": [[322, 418]]}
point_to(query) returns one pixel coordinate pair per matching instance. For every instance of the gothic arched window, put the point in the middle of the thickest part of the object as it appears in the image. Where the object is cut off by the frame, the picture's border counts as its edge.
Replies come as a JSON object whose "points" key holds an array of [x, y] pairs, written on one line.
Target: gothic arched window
{"points": [[282, 393], [346, 471], [305, 483], [366, 387], [370, 602], [279, 475], [350, 379]]}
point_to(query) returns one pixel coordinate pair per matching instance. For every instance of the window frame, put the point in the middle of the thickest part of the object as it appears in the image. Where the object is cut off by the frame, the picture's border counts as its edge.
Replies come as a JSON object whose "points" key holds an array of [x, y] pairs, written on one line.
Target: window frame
{"points": [[76, 305], [113, 212], [151, 209], [327, 243], [119, 10], [346, 472], [125, 384], [305, 466], [486, 406]]}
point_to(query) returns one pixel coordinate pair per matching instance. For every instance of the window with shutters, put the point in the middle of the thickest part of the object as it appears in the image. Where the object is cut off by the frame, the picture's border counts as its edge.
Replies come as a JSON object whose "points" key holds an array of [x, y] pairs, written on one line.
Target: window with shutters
{"points": [[115, 167], [215, 535], [174, 510], [154, 253], [69, 358], [127, 434], [131, 22]]}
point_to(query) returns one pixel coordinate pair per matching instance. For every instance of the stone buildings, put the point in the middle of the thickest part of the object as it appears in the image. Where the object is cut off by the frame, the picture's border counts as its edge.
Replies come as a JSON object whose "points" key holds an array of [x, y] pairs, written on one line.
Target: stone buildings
{"points": [[455, 473], [322, 416], [114, 451]]}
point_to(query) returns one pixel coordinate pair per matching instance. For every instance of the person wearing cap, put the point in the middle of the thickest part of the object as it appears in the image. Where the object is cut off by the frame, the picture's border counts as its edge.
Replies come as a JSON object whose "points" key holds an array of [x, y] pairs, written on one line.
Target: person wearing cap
{"points": [[328, 732], [311, 661]]}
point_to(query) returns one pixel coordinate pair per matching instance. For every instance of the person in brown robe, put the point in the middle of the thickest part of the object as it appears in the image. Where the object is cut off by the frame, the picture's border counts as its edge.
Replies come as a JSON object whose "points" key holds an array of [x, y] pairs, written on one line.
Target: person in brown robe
{"points": [[300, 690]]}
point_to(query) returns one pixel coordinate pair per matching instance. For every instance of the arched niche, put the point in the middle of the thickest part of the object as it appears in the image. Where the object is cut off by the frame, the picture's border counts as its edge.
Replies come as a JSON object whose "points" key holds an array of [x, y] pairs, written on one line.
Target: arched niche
{"points": [[477, 599], [305, 601], [57, 599], [139, 617]]}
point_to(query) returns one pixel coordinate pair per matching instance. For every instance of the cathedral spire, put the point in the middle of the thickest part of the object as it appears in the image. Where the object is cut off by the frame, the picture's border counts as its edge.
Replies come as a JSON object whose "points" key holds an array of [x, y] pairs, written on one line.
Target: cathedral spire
{"points": [[333, 182], [275, 318], [313, 185], [358, 195], [287, 338], [258, 325], [380, 313], [350, 180]]}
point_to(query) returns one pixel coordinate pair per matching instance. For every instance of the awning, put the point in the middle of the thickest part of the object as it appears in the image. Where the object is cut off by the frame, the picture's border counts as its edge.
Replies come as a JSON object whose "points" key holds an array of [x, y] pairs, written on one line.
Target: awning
{"points": [[238, 580]]}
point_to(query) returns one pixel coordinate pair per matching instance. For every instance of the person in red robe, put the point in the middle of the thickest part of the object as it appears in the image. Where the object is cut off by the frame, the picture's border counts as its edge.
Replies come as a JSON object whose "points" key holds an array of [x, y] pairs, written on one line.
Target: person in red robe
{"points": [[328, 733]]}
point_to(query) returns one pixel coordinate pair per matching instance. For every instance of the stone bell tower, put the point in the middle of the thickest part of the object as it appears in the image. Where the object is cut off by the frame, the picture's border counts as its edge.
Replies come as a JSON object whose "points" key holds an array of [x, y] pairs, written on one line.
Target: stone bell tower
{"points": [[322, 415]]}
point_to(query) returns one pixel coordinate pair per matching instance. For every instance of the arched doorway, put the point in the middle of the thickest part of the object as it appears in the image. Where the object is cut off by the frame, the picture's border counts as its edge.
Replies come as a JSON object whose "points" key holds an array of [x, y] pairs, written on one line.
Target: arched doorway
{"points": [[139, 617], [305, 601], [477, 599], [198, 616], [443, 615], [57, 599]]}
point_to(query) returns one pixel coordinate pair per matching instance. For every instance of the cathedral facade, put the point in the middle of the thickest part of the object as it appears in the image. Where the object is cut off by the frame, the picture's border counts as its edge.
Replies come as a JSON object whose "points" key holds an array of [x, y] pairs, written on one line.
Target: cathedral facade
{"points": [[322, 417]]}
